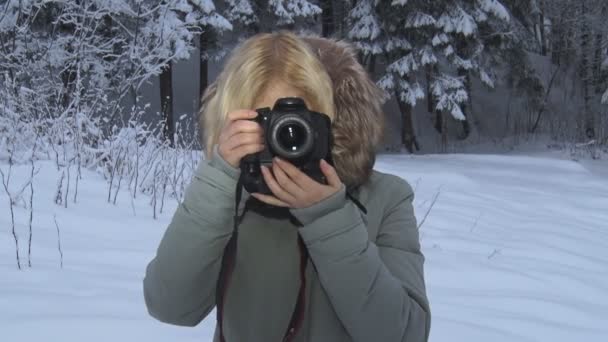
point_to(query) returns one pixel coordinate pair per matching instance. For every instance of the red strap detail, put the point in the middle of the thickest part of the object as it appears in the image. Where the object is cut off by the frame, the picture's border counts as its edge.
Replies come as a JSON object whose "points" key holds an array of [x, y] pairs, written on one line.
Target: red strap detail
{"points": [[297, 317], [228, 265], [226, 270]]}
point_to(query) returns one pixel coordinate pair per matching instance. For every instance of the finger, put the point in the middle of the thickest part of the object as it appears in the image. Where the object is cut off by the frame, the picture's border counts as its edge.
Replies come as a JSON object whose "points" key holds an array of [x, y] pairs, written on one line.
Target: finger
{"points": [[276, 189], [240, 114], [243, 150], [269, 199], [330, 173], [285, 182], [243, 126], [295, 174], [243, 139]]}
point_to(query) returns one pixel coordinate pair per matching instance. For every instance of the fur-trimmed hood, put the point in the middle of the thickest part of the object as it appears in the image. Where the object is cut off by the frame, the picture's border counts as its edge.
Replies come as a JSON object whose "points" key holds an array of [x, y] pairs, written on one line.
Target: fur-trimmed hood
{"points": [[359, 120]]}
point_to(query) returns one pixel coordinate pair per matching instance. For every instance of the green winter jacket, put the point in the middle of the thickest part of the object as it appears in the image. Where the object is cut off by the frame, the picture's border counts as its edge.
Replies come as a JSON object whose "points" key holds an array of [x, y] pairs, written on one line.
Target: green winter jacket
{"points": [[364, 280]]}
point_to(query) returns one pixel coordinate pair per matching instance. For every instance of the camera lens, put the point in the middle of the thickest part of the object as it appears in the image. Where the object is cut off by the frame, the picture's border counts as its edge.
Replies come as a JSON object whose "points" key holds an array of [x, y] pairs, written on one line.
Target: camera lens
{"points": [[291, 137]]}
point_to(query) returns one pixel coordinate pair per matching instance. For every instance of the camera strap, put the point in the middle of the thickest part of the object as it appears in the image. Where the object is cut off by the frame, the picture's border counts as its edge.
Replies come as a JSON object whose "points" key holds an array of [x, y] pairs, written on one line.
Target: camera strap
{"points": [[229, 261], [356, 202], [349, 195], [227, 268]]}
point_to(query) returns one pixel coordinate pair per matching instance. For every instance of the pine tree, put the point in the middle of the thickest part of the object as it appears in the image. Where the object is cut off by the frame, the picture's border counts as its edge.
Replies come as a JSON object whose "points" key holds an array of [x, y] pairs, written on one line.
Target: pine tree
{"points": [[111, 47], [287, 11], [605, 68], [173, 29], [375, 30], [365, 27], [431, 39], [283, 14], [239, 12], [240, 15]]}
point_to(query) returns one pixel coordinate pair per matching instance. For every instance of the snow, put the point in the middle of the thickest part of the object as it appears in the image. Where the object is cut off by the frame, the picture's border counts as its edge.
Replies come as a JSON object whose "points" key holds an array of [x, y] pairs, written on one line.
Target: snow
{"points": [[206, 5], [288, 10], [439, 39], [516, 250], [448, 51], [240, 11], [458, 21], [465, 64], [393, 43], [427, 56], [449, 92], [410, 92], [365, 25], [419, 19], [496, 8], [404, 65], [486, 79], [399, 2]]}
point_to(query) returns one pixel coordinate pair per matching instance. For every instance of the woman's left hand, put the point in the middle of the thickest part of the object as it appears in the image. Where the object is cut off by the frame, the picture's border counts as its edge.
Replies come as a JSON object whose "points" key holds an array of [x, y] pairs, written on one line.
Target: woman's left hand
{"points": [[293, 188]]}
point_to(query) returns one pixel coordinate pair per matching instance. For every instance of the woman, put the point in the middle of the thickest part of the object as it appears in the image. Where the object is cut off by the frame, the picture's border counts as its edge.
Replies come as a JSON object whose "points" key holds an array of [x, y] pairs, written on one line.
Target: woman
{"points": [[331, 272]]}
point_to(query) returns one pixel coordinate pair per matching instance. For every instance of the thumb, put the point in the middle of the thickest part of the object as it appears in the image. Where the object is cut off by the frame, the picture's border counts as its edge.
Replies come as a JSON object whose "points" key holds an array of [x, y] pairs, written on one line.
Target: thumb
{"points": [[330, 173]]}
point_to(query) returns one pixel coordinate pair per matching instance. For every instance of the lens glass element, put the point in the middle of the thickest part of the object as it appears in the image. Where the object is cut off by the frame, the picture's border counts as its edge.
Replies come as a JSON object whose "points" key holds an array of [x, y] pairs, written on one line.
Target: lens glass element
{"points": [[292, 136]]}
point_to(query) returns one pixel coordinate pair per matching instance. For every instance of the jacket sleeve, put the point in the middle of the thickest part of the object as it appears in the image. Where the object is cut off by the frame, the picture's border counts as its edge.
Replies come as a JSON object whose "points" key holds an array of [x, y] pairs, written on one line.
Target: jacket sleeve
{"points": [[377, 289], [179, 285]]}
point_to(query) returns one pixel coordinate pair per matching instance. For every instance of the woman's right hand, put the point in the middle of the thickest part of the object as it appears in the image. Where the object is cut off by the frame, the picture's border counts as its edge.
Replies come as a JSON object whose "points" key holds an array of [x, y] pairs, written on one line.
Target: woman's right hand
{"points": [[240, 137]]}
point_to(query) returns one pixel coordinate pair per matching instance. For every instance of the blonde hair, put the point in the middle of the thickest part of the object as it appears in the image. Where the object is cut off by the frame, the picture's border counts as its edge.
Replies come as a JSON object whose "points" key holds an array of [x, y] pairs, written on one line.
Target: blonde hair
{"points": [[253, 66]]}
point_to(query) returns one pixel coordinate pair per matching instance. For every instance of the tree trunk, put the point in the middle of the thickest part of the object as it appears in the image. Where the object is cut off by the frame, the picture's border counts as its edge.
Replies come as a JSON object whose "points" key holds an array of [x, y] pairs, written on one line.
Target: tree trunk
{"points": [[466, 127], [259, 9], [599, 56], [444, 136], [327, 18], [588, 117], [541, 27], [543, 105], [408, 137], [341, 9], [439, 121], [371, 67], [166, 102], [68, 76], [557, 42], [362, 58], [430, 106], [463, 49], [430, 99], [204, 65]]}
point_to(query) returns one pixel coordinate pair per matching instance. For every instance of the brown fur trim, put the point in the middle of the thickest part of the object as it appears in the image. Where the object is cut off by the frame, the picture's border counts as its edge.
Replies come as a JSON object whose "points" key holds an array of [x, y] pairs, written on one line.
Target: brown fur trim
{"points": [[359, 122]]}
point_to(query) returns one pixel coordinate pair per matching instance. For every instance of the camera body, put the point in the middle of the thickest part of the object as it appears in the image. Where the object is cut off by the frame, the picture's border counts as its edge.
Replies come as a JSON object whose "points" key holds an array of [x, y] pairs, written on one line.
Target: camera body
{"points": [[293, 133]]}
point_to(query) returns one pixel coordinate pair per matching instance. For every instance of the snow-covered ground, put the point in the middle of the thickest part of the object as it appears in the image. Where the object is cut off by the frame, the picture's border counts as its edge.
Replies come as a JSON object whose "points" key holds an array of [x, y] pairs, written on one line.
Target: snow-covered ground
{"points": [[516, 250]]}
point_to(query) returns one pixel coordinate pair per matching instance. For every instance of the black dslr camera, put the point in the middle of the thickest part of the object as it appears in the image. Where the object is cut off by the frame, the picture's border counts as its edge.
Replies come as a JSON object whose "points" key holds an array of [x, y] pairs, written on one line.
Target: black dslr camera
{"points": [[293, 133]]}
